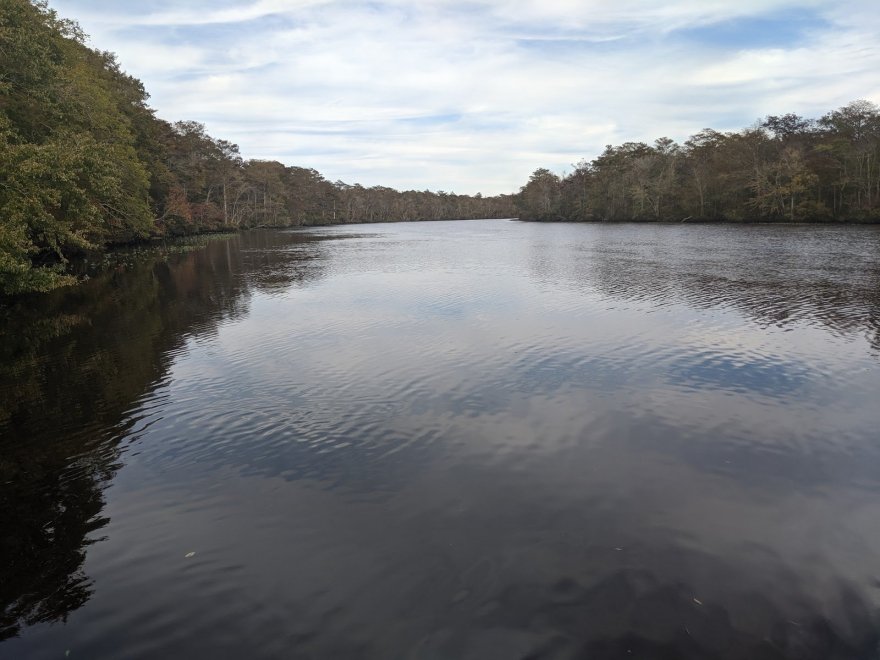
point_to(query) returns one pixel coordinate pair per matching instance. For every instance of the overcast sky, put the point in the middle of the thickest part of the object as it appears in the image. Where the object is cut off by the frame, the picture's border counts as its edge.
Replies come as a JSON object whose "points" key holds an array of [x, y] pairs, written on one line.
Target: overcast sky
{"points": [[473, 95]]}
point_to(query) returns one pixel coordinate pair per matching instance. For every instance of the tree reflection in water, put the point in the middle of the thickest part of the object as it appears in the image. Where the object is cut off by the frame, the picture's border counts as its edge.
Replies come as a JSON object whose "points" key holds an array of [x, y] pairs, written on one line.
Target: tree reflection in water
{"points": [[509, 552], [73, 365]]}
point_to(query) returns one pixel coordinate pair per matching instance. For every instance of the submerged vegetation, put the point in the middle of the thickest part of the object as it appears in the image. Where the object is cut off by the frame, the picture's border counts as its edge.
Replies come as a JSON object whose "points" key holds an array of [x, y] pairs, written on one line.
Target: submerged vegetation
{"points": [[785, 168], [85, 163]]}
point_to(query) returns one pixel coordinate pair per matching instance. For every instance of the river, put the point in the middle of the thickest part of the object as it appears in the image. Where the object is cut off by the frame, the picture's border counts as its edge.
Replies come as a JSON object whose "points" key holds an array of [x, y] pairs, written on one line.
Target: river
{"points": [[462, 440]]}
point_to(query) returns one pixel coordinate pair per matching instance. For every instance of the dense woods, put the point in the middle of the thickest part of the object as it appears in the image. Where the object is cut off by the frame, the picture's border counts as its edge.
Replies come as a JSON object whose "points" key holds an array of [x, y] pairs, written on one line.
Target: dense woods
{"points": [[784, 168], [85, 163]]}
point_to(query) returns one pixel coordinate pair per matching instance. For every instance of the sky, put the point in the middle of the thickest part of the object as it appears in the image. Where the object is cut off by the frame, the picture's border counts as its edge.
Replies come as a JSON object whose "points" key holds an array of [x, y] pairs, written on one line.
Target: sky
{"points": [[472, 96]]}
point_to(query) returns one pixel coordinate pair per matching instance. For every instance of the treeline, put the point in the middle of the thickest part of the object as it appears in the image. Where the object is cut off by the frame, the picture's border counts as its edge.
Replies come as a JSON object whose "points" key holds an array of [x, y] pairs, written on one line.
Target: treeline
{"points": [[785, 168], [85, 163]]}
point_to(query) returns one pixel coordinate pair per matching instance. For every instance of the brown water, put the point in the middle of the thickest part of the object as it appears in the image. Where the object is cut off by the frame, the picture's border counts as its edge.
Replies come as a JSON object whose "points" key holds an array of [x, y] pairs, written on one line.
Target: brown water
{"points": [[450, 440]]}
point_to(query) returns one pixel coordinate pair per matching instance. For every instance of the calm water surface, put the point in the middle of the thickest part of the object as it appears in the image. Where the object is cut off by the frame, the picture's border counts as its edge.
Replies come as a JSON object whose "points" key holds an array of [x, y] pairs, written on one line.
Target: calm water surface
{"points": [[469, 440]]}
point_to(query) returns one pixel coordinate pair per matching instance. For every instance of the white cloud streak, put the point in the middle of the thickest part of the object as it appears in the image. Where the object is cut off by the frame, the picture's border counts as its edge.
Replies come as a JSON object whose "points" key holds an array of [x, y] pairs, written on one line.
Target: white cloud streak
{"points": [[473, 96]]}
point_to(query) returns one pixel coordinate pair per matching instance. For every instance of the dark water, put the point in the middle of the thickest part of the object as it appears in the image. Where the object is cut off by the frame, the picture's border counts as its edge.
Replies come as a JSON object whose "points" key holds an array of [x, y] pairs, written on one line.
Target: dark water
{"points": [[450, 440]]}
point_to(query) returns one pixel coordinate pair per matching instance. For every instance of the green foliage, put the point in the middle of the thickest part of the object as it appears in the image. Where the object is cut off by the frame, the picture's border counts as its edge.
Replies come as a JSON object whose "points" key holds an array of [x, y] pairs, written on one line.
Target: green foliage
{"points": [[84, 163], [787, 169], [70, 175], [539, 199]]}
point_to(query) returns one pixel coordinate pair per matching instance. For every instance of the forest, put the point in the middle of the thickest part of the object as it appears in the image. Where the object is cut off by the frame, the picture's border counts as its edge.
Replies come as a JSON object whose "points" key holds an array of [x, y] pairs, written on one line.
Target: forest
{"points": [[85, 164], [782, 169]]}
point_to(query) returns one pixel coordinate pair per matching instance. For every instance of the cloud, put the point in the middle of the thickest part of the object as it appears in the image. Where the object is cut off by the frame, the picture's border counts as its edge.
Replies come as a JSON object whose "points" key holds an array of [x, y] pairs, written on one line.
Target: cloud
{"points": [[473, 96]]}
